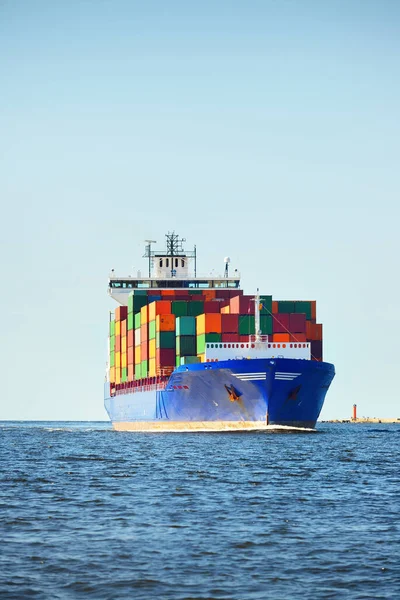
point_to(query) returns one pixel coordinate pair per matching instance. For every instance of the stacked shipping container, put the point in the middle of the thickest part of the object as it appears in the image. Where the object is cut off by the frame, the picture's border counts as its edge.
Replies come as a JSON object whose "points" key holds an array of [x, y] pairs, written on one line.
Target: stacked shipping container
{"points": [[162, 329]]}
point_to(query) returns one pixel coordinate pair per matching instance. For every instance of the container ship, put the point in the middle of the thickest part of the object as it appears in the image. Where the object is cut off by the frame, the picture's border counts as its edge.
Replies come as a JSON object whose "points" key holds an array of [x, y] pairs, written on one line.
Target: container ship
{"points": [[189, 352]]}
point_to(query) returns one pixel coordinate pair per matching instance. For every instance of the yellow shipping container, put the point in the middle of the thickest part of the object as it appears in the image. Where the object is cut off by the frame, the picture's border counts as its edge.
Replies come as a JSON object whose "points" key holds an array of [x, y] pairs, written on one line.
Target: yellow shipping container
{"points": [[117, 327], [138, 355], [201, 357], [117, 375], [152, 348], [124, 360], [152, 367], [112, 374], [225, 310], [117, 360], [144, 314], [124, 344]]}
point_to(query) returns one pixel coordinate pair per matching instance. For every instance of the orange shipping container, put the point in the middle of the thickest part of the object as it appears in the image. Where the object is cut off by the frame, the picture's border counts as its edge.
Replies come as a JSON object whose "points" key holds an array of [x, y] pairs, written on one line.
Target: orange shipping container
{"points": [[275, 310], [144, 314], [117, 343], [159, 307], [131, 372], [123, 328], [131, 356], [168, 292], [131, 338], [165, 323], [144, 333], [208, 323], [281, 337], [209, 295]]}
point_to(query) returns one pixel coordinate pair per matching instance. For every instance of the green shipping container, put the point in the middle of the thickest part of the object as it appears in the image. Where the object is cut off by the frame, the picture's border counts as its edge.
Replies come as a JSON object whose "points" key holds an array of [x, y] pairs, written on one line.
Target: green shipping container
{"points": [[303, 306], [195, 308], [266, 302], [112, 359], [204, 339], [140, 293], [179, 308], [266, 324], [186, 345], [285, 306], [144, 369], [112, 328], [195, 293], [131, 321], [137, 320], [112, 343], [136, 302], [186, 326], [138, 371], [189, 360], [152, 330], [247, 324], [124, 375], [165, 339]]}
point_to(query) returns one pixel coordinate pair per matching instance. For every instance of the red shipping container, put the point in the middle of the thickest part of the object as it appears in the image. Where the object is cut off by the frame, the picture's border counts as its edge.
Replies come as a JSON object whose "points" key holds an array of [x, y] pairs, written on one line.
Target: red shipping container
{"points": [[153, 293], [117, 343], [243, 338], [242, 305], [144, 335], [131, 356], [131, 338], [275, 309], [165, 357], [297, 323], [229, 323], [123, 328], [144, 351], [211, 306], [230, 337], [121, 312], [227, 293], [280, 323], [298, 337], [314, 331], [182, 296]]}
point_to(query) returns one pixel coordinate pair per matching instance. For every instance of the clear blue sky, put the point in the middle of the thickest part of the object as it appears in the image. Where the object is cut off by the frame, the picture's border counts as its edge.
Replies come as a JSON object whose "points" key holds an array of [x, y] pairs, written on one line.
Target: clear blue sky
{"points": [[264, 130]]}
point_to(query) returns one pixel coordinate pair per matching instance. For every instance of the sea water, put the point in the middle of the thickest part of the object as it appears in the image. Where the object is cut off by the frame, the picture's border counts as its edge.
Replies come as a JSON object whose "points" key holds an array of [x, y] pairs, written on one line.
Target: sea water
{"points": [[87, 512]]}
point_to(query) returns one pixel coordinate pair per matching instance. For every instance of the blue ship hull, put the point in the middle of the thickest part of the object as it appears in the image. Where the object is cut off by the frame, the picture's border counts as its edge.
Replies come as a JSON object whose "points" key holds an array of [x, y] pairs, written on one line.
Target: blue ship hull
{"points": [[242, 393]]}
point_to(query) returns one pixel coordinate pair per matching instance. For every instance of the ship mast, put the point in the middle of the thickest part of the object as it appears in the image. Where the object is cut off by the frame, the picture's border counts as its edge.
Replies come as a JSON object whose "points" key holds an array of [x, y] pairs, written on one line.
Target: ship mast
{"points": [[257, 316]]}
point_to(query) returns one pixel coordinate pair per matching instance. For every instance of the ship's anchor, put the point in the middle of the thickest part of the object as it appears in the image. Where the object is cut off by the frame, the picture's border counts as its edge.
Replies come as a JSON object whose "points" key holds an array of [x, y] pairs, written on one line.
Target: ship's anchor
{"points": [[232, 393]]}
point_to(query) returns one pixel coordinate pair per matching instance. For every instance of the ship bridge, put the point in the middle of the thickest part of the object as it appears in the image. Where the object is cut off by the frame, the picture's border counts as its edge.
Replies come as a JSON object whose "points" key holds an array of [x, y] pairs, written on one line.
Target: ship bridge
{"points": [[172, 268]]}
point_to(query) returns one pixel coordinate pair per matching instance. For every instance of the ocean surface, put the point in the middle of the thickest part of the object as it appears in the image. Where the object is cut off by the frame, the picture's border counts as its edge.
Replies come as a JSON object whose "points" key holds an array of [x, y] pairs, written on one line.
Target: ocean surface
{"points": [[86, 512]]}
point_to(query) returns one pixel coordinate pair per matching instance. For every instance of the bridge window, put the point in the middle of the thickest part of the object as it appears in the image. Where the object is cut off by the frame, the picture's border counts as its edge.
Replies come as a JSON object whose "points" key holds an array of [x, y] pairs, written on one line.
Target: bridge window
{"points": [[182, 263], [229, 345], [283, 345], [160, 262], [167, 262], [176, 262]]}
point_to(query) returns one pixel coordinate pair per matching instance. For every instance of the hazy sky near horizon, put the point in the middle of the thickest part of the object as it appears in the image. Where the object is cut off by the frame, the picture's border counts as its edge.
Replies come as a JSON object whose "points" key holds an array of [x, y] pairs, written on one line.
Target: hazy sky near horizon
{"points": [[264, 130]]}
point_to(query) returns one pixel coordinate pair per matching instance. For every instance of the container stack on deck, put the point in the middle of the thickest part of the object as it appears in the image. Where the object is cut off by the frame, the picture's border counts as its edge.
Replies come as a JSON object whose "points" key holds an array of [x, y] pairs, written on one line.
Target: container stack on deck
{"points": [[162, 329]]}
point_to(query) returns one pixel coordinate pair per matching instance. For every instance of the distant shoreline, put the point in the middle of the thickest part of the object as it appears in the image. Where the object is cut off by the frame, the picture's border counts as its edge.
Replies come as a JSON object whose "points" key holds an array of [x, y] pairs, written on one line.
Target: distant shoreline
{"points": [[362, 420]]}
